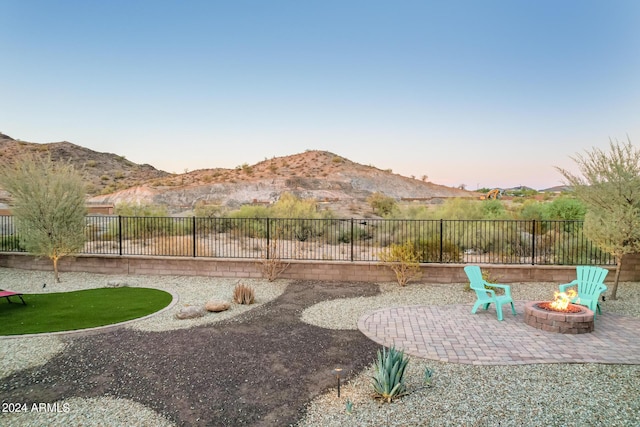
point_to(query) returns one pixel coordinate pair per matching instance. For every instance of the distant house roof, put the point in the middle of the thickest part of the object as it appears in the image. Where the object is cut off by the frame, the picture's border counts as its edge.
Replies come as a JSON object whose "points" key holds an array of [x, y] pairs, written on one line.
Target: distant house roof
{"points": [[520, 188], [557, 189]]}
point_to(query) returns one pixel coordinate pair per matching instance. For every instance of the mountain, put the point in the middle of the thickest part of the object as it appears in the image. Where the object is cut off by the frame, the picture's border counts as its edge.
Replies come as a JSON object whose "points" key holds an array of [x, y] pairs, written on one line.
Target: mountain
{"points": [[103, 172], [332, 180]]}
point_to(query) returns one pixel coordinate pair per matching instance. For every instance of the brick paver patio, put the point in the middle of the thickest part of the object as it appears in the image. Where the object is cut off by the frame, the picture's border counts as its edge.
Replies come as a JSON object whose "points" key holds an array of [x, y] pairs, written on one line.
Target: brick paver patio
{"points": [[452, 334]]}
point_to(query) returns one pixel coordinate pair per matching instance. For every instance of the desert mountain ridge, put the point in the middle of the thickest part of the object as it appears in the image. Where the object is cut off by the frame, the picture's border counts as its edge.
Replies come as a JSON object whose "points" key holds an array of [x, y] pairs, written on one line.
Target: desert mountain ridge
{"points": [[103, 172], [321, 175]]}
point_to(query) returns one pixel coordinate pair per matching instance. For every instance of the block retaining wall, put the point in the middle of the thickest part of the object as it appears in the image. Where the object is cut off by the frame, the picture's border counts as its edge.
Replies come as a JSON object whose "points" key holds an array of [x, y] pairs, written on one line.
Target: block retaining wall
{"points": [[304, 270]]}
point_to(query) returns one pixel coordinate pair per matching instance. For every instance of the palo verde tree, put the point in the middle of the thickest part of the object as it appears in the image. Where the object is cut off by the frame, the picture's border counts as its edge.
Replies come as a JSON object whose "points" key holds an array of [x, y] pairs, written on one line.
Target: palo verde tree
{"points": [[48, 206], [610, 189]]}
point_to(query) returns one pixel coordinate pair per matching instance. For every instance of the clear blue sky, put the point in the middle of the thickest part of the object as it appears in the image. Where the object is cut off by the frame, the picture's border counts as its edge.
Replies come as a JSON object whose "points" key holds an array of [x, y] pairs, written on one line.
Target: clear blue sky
{"points": [[485, 93]]}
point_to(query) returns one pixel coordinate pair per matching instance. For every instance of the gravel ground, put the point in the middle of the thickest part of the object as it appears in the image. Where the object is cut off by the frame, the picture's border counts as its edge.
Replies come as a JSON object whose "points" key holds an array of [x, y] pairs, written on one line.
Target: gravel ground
{"points": [[17, 353], [553, 395], [523, 395]]}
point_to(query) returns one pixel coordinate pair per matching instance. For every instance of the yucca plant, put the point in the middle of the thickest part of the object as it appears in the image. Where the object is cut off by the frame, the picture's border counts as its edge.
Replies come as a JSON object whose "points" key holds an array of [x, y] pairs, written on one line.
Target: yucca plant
{"points": [[243, 294], [388, 379]]}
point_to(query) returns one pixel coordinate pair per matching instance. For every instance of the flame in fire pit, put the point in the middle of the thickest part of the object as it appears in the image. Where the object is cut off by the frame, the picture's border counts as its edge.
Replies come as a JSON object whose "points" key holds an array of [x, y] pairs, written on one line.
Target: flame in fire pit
{"points": [[561, 300]]}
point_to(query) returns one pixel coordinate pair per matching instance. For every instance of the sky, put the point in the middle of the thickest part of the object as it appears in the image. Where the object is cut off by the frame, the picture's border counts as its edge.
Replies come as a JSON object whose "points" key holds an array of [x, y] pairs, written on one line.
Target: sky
{"points": [[486, 93]]}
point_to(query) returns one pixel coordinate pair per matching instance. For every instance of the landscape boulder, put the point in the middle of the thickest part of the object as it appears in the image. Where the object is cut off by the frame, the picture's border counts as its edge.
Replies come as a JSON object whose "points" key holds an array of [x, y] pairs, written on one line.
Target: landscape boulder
{"points": [[190, 312], [217, 306], [116, 284]]}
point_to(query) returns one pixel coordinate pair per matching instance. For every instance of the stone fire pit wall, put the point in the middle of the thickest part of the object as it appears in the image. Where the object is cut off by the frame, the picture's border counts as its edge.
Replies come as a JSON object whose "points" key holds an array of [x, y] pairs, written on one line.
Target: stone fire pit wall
{"points": [[553, 321]]}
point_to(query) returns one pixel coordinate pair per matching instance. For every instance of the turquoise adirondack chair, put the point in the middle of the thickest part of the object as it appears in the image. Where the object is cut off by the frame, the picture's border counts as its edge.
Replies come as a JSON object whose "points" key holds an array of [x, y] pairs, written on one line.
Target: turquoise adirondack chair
{"points": [[487, 296], [590, 285]]}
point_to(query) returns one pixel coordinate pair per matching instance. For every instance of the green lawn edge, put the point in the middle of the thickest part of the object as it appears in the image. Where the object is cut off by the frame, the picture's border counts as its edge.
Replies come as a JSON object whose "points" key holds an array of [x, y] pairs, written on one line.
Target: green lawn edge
{"points": [[70, 311]]}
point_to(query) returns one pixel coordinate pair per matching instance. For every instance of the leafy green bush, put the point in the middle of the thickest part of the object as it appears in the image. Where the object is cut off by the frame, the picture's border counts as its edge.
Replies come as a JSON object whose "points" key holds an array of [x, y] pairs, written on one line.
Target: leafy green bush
{"points": [[250, 211], [493, 209], [290, 206], [429, 250], [382, 205], [209, 218], [388, 379], [566, 208], [532, 209], [140, 209], [208, 210]]}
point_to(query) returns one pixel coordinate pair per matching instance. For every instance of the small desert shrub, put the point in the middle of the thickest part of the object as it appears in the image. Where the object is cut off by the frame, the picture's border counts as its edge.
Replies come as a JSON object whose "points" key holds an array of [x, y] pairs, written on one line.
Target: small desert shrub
{"points": [[360, 233], [388, 379], [429, 251], [243, 294], [272, 266], [209, 209], [403, 260], [382, 205]]}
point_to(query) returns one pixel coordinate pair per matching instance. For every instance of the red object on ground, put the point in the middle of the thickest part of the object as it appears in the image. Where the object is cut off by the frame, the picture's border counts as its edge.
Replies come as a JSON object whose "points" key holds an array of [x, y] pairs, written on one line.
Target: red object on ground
{"points": [[8, 294]]}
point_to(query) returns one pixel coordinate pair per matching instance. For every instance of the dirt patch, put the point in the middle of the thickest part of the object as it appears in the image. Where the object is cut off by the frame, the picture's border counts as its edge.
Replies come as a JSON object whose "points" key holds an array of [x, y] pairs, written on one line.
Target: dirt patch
{"points": [[260, 368]]}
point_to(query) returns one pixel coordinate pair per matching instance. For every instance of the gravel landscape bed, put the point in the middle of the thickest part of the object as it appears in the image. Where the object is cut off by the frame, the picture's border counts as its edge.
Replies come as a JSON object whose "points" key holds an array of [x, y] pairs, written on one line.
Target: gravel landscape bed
{"points": [[270, 364]]}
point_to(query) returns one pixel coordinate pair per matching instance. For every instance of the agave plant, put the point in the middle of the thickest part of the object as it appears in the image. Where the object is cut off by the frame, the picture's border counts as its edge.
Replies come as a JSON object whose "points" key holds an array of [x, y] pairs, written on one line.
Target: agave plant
{"points": [[388, 379], [348, 406], [428, 373]]}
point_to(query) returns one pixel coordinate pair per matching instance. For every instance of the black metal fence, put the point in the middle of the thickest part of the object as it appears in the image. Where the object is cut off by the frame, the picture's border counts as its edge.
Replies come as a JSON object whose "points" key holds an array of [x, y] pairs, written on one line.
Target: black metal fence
{"points": [[435, 241]]}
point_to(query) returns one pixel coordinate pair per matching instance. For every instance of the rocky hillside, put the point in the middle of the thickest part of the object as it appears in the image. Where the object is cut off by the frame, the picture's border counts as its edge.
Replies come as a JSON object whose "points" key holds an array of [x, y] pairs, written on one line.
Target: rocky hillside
{"points": [[104, 172], [332, 180]]}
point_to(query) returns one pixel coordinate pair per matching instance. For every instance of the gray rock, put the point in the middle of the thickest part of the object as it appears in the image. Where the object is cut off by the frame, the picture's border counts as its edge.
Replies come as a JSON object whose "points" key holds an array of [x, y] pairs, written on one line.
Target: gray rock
{"points": [[116, 284], [190, 312]]}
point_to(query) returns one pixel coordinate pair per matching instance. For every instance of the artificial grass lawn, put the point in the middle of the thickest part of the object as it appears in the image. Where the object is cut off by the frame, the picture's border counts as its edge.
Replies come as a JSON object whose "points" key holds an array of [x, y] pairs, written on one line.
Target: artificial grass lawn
{"points": [[66, 311]]}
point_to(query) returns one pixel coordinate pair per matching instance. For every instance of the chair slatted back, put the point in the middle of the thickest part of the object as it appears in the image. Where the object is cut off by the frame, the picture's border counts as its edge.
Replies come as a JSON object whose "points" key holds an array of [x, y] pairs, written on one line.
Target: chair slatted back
{"points": [[590, 279], [477, 282]]}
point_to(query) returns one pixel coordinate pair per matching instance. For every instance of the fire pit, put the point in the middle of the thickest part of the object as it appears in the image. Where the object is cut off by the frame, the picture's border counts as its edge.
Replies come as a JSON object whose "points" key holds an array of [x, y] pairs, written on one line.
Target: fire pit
{"points": [[559, 315]]}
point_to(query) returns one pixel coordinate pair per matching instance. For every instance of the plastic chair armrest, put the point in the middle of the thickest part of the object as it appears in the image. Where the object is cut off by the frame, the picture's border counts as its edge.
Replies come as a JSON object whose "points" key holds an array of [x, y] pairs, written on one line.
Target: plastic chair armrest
{"points": [[491, 292], [507, 288], [564, 287], [497, 285]]}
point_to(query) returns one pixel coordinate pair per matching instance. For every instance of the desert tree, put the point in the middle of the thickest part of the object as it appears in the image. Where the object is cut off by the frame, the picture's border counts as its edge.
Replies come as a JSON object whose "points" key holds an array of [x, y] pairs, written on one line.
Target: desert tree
{"points": [[609, 186], [48, 205]]}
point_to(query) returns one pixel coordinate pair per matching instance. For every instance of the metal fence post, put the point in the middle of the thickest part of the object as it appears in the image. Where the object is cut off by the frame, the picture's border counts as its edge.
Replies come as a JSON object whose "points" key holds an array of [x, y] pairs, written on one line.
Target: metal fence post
{"points": [[533, 242], [120, 234], [268, 237], [193, 223], [441, 238], [351, 239]]}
